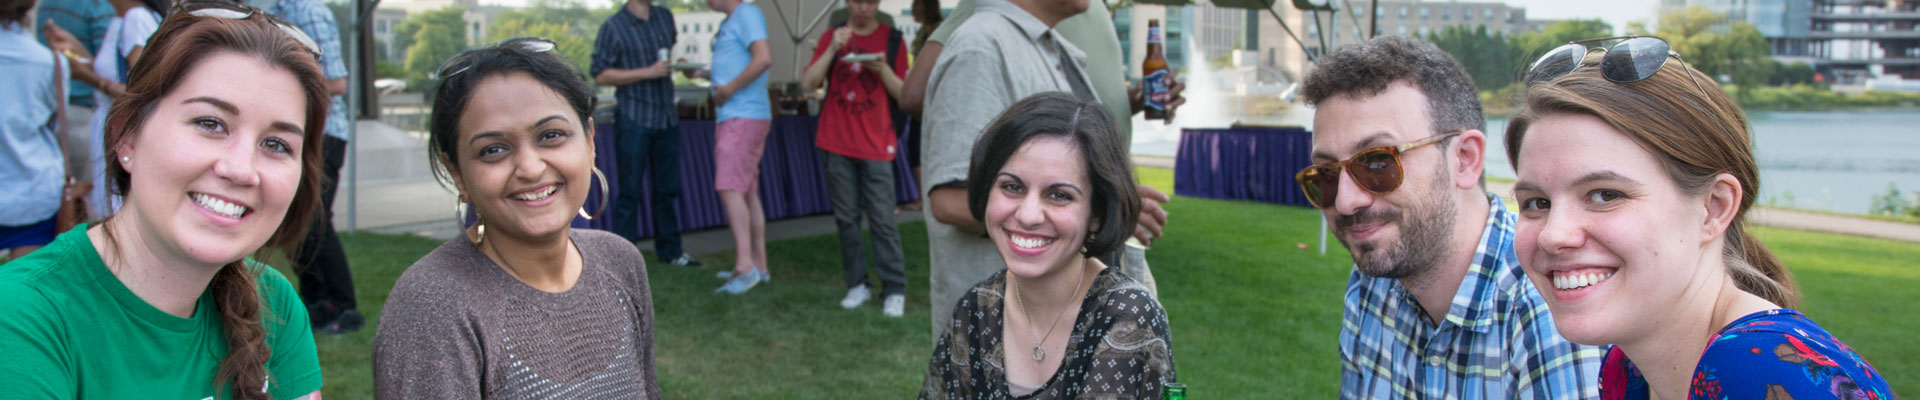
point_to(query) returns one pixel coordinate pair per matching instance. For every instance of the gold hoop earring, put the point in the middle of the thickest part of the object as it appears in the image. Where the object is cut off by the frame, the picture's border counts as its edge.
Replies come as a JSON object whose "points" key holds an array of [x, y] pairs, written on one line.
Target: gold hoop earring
{"points": [[460, 219], [604, 192], [480, 229]]}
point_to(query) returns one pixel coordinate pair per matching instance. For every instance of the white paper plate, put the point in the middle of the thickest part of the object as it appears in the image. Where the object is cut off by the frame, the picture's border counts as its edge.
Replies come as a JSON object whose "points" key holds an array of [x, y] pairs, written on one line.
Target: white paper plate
{"points": [[860, 57]]}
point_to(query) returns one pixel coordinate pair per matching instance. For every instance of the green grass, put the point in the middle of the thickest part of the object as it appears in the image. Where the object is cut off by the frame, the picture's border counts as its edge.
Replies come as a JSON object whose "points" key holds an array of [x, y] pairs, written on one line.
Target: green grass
{"points": [[1251, 311]]}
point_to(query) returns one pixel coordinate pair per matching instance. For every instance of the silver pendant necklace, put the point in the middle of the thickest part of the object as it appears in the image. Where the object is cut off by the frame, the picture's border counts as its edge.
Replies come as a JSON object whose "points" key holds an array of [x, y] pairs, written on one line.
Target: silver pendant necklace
{"points": [[1040, 353]]}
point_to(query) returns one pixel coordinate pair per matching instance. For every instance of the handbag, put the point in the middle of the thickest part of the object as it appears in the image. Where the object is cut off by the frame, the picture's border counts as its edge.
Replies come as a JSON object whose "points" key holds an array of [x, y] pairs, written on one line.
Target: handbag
{"points": [[73, 196]]}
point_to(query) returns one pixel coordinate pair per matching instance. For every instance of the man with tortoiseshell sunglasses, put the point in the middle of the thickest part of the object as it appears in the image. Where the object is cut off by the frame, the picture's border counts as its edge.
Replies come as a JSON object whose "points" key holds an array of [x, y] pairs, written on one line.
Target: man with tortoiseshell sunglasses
{"points": [[1437, 305]]}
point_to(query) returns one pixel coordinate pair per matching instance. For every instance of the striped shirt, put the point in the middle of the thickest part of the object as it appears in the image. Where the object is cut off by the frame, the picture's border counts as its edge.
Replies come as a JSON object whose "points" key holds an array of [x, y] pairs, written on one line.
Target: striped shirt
{"points": [[628, 42], [1498, 340], [317, 22]]}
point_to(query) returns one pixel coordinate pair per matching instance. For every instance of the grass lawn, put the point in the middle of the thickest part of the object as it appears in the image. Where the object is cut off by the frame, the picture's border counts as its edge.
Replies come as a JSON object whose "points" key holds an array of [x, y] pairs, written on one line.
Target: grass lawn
{"points": [[1254, 315]]}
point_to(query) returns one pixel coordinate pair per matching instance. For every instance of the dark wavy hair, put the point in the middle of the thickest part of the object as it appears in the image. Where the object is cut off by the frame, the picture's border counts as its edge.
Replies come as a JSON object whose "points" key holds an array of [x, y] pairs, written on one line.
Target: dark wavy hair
{"points": [[466, 72], [1116, 200], [181, 44], [13, 13]]}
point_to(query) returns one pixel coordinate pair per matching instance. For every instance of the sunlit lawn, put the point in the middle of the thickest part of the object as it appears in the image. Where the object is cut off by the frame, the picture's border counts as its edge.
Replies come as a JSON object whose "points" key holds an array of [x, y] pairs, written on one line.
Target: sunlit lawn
{"points": [[1254, 315]]}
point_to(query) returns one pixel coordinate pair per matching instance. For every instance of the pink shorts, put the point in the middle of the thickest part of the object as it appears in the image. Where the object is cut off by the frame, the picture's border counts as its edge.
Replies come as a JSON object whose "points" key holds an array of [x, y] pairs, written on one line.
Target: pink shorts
{"points": [[737, 146]]}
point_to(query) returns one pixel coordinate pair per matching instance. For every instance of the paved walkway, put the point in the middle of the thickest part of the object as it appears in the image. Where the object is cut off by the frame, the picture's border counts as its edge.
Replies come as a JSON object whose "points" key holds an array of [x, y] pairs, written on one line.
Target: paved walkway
{"points": [[1801, 220]]}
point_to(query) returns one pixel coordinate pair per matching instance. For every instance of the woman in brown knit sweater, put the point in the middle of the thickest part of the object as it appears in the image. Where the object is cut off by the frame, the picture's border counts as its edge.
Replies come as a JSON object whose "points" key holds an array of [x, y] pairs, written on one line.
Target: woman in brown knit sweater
{"points": [[523, 306]]}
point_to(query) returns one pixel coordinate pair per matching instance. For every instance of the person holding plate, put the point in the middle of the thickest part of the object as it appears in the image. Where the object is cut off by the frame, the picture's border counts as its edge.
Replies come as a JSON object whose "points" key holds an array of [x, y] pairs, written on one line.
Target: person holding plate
{"points": [[631, 55], [857, 142]]}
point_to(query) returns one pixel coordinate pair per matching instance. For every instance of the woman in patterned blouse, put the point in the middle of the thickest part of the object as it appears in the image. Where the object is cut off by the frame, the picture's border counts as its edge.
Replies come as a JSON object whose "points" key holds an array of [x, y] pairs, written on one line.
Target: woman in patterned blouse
{"points": [[1631, 199], [1051, 181]]}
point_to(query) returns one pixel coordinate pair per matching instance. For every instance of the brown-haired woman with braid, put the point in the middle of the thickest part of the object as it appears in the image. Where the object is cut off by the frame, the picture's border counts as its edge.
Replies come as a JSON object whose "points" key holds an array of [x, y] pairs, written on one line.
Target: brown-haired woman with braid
{"points": [[215, 149]]}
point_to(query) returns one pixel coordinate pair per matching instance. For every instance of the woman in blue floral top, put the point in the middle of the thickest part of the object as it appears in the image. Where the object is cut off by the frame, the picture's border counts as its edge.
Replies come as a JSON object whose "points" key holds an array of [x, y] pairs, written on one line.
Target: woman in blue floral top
{"points": [[1634, 179]]}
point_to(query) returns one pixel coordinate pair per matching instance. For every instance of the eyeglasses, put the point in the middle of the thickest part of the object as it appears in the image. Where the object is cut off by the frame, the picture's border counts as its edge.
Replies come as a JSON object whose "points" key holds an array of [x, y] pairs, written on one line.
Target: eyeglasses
{"points": [[1375, 170], [1631, 60], [459, 62], [224, 10]]}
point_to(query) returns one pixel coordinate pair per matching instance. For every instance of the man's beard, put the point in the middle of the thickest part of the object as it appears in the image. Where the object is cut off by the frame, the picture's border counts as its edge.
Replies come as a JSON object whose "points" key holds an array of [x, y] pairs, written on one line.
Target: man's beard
{"points": [[1426, 231]]}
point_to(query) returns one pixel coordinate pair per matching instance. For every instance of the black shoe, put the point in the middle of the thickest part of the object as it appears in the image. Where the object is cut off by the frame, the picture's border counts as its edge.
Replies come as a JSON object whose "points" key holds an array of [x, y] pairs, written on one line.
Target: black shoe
{"points": [[684, 261], [349, 321]]}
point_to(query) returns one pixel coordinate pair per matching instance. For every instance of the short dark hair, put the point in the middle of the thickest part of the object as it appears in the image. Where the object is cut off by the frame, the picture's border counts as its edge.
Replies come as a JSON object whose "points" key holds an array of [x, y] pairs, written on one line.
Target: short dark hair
{"points": [[450, 99], [1453, 102], [1116, 201], [13, 13]]}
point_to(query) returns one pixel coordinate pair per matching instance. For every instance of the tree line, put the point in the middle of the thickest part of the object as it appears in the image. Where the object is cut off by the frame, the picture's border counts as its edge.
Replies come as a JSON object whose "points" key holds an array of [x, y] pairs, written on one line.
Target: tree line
{"points": [[432, 37], [1733, 52]]}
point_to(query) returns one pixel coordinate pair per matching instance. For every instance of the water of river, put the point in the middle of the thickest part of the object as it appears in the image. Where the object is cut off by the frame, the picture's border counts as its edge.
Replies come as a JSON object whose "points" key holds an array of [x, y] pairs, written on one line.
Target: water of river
{"points": [[1834, 161]]}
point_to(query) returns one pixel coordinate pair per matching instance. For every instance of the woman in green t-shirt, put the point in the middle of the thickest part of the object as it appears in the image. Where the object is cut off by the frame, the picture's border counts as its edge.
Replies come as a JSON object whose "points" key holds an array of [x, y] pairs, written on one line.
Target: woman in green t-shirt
{"points": [[215, 150]]}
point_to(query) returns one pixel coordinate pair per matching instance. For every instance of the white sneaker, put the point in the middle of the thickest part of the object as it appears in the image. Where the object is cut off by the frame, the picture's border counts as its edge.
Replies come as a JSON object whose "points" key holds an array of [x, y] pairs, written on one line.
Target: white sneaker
{"points": [[894, 306], [855, 297]]}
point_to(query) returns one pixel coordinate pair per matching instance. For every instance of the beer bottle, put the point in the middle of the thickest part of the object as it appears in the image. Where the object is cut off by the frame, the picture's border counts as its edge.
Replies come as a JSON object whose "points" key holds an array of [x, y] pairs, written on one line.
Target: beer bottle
{"points": [[1153, 74], [1174, 391]]}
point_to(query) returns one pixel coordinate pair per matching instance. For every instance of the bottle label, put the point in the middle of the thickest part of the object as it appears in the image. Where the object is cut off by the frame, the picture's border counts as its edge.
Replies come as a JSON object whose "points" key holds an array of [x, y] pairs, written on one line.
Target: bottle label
{"points": [[1157, 90], [1153, 35]]}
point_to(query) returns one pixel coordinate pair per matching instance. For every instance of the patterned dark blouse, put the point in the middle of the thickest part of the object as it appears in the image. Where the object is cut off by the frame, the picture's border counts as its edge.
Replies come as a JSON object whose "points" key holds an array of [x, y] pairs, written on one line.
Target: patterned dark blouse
{"points": [[1773, 354], [1119, 348]]}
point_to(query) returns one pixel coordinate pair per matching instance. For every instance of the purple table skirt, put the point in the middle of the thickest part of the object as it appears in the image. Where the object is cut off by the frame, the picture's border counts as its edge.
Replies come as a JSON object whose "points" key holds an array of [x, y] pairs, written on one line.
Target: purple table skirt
{"points": [[792, 178], [1247, 163]]}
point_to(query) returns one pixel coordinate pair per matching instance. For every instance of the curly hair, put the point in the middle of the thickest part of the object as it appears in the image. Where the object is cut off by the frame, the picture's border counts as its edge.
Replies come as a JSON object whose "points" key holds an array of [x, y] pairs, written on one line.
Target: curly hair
{"points": [[1364, 70]]}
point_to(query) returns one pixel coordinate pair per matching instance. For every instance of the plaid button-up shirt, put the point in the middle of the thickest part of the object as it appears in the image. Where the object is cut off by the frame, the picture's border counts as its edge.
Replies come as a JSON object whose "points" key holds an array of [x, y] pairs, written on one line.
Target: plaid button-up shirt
{"points": [[1498, 340], [317, 22], [628, 42]]}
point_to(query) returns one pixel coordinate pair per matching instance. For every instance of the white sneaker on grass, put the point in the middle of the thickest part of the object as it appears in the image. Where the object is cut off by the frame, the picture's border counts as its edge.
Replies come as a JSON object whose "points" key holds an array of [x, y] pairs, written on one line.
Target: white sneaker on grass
{"points": [[894, 306], [855, 297]]}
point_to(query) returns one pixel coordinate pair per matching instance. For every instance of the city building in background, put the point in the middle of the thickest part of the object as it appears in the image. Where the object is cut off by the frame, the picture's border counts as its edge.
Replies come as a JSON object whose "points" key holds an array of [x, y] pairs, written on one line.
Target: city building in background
{"points": [[697, 30], [1854, 41], [391, 14], [1349, 25], [1214, 32]]}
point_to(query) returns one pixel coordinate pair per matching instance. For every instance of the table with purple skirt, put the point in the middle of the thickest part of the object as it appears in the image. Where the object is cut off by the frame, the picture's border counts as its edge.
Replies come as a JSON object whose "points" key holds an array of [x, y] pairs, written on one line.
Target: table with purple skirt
{"points": [[792, 181], [1243, 163]]}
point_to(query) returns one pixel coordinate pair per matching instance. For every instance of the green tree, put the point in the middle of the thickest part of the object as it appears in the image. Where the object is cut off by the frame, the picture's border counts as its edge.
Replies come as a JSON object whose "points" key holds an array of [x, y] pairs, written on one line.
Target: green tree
{"points": [[1729, 51], [571, 26], [678, 6], [1484, 54], [431, 38], [1524, 48], [1798, 73]]}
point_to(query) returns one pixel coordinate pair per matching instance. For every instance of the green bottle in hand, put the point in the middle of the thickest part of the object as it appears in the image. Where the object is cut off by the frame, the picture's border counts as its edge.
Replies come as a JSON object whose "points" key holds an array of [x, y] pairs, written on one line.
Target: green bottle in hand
{"points": [[1174, 391]]}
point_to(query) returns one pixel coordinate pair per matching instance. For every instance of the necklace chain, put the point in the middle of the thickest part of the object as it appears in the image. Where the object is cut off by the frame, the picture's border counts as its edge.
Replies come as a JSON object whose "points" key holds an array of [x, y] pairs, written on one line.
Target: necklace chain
{"points": [[1039, 352]]}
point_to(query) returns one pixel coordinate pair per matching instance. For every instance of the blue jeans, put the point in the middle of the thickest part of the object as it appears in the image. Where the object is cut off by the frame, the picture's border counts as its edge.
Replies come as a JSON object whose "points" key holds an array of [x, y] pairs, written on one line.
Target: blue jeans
{"points": [[656, 151]]}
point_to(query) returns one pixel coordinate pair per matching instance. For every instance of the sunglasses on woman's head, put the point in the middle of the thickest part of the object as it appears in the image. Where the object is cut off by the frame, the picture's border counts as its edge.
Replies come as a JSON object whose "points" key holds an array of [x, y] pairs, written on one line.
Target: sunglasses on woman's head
{"points": [[225, 10], [1375, 170], [1633, 59], [458, 63]]}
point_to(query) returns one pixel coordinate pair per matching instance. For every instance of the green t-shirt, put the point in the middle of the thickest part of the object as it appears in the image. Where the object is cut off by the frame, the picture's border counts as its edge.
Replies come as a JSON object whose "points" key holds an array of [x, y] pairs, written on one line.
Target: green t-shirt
{"points": [[71, 330]]}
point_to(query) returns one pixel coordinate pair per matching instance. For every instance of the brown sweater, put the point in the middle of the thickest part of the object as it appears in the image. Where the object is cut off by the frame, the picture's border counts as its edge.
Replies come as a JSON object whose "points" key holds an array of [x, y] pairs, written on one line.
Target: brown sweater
{"points": [[457, 326]]}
